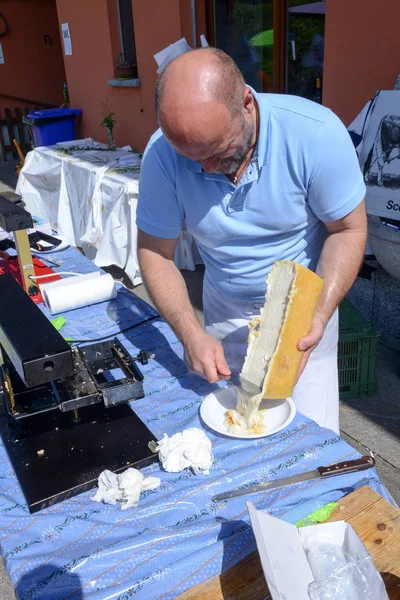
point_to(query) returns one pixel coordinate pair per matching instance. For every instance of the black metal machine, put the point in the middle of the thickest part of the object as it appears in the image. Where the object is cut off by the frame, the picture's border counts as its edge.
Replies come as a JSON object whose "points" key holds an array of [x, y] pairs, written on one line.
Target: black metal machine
{"points": [[65, 415], [14, 218]]}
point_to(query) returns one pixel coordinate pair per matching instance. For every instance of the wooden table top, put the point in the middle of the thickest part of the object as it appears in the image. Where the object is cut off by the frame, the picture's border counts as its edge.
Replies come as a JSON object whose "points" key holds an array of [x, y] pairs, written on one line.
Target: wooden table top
{"points": [[376, 522]]}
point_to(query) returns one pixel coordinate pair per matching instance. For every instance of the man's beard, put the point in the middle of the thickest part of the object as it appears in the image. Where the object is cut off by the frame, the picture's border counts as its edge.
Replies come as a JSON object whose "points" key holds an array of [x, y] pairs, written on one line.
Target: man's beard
{"points": [[231, 164]]}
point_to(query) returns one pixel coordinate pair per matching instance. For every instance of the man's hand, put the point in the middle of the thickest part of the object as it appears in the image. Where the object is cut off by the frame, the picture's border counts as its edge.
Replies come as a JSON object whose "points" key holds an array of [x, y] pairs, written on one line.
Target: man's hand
{"points": [[309, 342], [204, 355]]}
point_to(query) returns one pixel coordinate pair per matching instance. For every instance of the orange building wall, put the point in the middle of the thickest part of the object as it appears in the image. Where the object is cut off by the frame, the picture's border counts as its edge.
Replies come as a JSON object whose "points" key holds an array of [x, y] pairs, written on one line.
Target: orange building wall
{"points": [[95, 40], [31, 70], [362, 53]]}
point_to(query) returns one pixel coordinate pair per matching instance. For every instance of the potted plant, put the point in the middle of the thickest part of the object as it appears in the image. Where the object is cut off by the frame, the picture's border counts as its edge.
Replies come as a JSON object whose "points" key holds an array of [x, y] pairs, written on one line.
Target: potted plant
{"points": [[108, 122], [125, 69]]}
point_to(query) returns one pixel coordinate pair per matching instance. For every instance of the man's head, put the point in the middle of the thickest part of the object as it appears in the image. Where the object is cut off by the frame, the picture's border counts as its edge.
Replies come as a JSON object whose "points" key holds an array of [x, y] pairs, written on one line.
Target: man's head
{"points": [[205, 109]]}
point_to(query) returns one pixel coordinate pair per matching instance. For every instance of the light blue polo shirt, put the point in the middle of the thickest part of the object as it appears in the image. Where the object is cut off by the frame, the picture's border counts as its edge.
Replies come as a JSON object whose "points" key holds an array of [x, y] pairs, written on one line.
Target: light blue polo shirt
{"points": [[307, 173]]}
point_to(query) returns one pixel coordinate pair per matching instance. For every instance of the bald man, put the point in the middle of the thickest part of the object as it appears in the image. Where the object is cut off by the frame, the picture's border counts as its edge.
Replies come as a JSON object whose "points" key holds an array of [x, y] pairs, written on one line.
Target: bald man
{"points": [[256, 178]]}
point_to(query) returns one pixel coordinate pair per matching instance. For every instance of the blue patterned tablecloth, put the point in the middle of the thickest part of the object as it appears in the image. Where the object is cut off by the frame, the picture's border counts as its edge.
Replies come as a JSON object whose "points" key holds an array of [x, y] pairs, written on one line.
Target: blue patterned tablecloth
{"points": [[177, 537]]}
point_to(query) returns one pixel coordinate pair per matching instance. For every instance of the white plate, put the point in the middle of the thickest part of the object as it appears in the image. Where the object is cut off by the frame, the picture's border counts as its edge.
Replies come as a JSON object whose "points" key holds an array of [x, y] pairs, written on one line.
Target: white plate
{"points": [[277, 413]]}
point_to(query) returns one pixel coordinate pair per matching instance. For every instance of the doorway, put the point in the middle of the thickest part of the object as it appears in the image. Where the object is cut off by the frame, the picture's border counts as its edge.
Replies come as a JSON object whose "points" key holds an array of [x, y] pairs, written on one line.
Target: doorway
{"points": [[277, 44]]}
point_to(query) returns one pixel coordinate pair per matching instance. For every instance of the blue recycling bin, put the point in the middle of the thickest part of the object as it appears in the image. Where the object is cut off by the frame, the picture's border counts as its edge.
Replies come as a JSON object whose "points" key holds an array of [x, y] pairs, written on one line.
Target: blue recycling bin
{"points": [[52, 125]]}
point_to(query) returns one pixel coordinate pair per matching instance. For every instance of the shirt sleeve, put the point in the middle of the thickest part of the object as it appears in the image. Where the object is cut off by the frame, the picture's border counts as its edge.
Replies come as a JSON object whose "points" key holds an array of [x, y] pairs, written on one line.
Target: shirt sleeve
{"points": [[336, 185], [158, 212]]}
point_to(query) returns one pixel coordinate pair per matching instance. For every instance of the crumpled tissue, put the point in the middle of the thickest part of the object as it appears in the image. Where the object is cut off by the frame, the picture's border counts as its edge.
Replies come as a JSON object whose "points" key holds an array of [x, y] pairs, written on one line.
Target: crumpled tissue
{"points": [[126, 486], [190, 448]]}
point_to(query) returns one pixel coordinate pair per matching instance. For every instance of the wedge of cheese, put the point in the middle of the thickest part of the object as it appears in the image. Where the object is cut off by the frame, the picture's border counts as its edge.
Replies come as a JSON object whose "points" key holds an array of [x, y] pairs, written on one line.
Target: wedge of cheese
{"points": [[273, 360]]}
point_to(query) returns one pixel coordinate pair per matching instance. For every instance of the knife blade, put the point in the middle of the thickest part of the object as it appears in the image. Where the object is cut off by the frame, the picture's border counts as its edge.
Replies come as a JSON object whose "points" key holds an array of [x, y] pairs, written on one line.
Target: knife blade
{"points": [[246, 387], [341, 468]]}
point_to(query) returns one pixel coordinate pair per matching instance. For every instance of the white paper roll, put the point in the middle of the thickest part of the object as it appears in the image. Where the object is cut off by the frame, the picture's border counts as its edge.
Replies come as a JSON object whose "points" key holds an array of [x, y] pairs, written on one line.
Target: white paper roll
{"points": [[76, 292]]}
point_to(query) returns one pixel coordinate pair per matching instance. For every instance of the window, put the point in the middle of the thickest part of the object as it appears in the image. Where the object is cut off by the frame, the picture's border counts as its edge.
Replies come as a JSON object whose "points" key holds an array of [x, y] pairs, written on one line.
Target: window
{"points": [[277, 44], [252, 32], [126, 31], [306, 31]]}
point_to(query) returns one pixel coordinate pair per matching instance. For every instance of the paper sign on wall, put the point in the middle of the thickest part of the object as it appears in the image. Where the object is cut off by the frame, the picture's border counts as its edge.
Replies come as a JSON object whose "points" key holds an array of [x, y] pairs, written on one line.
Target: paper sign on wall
{"points": [[172, 51], [1, 55], [67, 39]]}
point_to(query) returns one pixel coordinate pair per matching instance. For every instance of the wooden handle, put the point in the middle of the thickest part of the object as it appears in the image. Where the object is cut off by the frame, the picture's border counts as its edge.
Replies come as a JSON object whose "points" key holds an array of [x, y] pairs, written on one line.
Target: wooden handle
{"points": [[349, 466]]}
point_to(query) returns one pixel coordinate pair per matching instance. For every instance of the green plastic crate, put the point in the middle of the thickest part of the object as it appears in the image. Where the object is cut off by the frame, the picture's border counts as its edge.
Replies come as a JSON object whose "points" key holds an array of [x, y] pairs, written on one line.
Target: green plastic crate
{"points": [[356, 353]]}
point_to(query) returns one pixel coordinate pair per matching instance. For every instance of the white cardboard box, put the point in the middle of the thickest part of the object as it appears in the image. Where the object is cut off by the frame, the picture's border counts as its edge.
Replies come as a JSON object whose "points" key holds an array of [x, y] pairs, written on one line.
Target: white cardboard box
{"points": [[284, 560]]}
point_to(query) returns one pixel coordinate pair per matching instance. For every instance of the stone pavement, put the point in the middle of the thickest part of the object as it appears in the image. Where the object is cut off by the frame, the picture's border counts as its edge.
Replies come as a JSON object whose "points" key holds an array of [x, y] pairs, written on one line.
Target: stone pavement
{"points": [[371, 423]]}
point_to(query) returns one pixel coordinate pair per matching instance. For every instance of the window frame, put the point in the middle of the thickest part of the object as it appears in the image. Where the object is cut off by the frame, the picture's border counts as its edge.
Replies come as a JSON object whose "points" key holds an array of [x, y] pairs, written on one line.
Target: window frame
{"points": [[128, 55]]}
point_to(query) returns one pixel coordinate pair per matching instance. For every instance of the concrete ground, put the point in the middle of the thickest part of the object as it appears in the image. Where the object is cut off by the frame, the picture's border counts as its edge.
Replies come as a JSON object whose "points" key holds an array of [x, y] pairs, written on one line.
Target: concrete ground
{"points": [[369, 423]]}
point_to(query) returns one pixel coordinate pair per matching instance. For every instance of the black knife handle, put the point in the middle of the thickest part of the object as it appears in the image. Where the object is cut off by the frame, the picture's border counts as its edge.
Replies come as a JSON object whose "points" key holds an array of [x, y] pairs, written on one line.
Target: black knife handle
{"points": [[348, 466]]}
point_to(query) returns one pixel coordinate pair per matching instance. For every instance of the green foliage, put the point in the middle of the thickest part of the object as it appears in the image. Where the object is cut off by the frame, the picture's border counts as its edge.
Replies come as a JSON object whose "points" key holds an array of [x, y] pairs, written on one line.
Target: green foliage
{"points": [[304, 29], [108, 115], [253, 18]]}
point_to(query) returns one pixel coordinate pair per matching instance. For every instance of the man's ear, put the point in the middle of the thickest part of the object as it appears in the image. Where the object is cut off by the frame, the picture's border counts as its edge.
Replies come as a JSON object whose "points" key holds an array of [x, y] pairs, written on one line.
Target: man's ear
{"points": [[248, 101]]}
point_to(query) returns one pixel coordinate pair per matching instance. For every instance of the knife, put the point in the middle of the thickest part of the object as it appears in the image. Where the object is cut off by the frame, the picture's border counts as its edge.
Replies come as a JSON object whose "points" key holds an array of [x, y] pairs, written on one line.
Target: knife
{"points": [[246, 387], [349, 466]]}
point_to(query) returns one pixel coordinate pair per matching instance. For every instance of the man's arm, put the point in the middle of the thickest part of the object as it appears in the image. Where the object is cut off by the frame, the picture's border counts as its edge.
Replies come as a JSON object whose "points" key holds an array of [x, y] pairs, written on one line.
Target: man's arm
{"points": [[339, 263], [204, 355]]}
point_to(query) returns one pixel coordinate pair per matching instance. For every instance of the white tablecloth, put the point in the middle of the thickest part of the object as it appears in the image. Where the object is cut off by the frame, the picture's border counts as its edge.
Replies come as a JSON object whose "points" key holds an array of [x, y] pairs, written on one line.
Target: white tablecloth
{"points": [[90, 199]]}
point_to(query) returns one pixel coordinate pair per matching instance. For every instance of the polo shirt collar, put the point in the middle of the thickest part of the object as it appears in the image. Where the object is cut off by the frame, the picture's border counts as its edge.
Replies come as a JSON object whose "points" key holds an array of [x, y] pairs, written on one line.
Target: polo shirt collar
{"points": [[191, 165], [263, 133]]}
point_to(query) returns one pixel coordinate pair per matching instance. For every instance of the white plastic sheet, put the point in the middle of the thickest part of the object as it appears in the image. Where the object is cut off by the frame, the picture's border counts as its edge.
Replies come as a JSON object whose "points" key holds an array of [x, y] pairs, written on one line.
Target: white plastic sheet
{"points": [[90, 198]]}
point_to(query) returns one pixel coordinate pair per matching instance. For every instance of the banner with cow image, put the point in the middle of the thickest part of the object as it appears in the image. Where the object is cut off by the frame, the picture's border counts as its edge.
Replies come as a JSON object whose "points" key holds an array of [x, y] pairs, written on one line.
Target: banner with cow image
{"points": [[376, 133]]}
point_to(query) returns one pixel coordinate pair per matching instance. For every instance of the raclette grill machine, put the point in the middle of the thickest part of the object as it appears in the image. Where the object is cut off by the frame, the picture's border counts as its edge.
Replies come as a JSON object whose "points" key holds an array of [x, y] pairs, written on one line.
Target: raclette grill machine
{"points": [[64, 412]]}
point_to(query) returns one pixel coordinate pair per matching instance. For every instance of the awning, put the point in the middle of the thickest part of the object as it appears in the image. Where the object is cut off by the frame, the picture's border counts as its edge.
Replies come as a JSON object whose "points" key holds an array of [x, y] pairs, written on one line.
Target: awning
{"points": [[309, 10], [264, 38]]}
